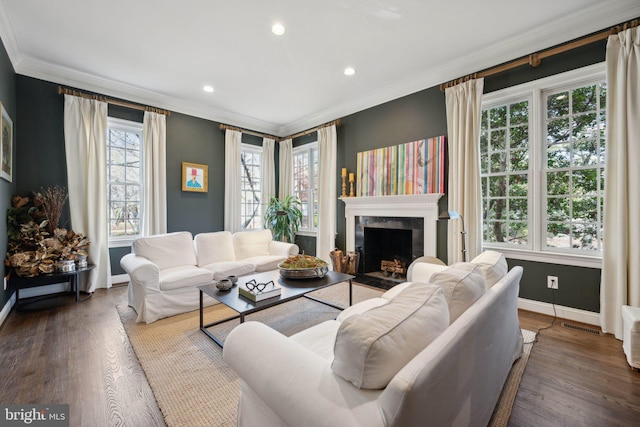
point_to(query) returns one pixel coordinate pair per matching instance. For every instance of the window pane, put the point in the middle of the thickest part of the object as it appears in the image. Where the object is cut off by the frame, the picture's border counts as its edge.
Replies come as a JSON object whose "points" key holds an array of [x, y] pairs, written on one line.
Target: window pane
{"points": [[558, 105], [498, 140], [558, 235], [518, 232], [518, 209], [519, 137], [499, 162], [584, 99], [584, 237], [518, 185], [557, 183], [519, 113], [498, 117], [250, 165], [519, 160], [558, 209]]}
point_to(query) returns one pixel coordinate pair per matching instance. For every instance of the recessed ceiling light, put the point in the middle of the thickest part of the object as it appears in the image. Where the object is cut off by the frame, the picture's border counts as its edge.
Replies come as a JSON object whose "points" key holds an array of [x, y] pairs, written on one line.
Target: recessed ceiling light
{"points": [[207, 88], [277, 29], [349, 71]]}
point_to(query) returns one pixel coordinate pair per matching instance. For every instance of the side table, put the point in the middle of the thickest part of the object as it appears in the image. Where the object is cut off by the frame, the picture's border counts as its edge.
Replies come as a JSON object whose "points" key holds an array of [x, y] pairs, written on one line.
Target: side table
{"points": [[48, 279]]}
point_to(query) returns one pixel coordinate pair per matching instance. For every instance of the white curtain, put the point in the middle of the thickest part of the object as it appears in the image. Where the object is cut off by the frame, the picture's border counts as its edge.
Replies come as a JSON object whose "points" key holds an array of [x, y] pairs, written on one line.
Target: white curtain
{"points": [[85, 133], [327, 164], [620, 282], [285, 186], [267, 173], [464, 108], [154, 202], [232, 179]]}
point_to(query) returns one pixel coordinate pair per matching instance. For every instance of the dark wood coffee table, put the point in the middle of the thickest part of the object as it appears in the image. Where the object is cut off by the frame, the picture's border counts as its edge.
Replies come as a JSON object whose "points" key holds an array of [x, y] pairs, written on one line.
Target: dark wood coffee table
{"points": [[291, 289]]}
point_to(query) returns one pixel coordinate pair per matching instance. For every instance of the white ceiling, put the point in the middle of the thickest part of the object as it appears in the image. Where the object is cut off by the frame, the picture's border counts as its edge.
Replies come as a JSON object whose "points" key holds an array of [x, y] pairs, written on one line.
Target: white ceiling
{"points": [[161, 52]]}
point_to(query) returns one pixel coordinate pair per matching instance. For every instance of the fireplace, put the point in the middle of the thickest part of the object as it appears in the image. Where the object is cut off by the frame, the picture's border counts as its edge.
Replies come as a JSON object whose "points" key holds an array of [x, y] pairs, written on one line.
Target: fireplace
{"points": [[389, 228]]}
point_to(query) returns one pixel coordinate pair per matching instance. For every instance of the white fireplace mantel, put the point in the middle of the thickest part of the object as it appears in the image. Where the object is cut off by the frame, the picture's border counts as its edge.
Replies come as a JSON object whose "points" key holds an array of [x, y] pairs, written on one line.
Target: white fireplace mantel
{"points": [[414, 206]]}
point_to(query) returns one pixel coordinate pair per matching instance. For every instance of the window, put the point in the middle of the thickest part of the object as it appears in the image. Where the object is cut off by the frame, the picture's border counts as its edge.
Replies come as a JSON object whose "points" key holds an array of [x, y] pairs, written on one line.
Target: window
{"points": [[305, 184], [251, 163], [124, 181], [542, 154]]}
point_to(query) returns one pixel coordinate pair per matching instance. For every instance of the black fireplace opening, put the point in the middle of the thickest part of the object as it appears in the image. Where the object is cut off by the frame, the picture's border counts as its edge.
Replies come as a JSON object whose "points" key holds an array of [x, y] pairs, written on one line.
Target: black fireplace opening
{"points": [[387, 246]]}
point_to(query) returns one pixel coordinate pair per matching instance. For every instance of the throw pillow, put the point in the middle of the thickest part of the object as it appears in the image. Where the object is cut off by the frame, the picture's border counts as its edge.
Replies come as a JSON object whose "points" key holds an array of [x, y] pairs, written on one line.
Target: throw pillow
{"points": [[493, 265], [371, 347], [463, 283]]}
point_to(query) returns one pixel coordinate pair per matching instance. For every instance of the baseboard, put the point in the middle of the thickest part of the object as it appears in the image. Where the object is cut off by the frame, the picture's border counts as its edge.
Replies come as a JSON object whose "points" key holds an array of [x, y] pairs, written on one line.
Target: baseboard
{"points": [[120, 278], [7, 308], [568, 313]]}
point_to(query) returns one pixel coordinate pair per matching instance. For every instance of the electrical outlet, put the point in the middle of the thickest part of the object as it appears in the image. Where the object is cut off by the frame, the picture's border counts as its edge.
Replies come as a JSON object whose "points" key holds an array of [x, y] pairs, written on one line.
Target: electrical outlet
{"points": [[5, 283], [552, 282]]}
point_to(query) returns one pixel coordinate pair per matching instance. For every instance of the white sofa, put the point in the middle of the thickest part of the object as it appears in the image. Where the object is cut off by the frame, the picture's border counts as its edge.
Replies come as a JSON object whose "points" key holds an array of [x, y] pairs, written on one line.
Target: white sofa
{"points": [[165, 269], [417, 356]]}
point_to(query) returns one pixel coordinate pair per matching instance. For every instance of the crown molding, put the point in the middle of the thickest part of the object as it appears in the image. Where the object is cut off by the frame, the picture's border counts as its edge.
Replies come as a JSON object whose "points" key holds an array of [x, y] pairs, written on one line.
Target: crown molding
{"points": [[55, 73]]}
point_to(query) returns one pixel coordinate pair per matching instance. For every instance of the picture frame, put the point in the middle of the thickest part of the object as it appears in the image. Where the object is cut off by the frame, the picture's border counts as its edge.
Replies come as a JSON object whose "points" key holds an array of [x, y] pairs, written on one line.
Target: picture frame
{"points": [[195, 177], [6, 145]]}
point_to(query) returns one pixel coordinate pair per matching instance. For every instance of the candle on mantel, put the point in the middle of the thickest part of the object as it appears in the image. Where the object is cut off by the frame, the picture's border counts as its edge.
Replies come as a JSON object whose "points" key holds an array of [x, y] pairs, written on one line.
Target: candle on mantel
{"points": [[344, 172], [351, 177]]}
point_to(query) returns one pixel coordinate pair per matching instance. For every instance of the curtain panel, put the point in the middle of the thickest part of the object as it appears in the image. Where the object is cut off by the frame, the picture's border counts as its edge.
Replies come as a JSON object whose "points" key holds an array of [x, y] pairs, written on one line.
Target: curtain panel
{"points": [[285, 186], [327, 169], [85, 133], [154, 202], [620, 280], [267, 174], [464, 110], [232, 179]]}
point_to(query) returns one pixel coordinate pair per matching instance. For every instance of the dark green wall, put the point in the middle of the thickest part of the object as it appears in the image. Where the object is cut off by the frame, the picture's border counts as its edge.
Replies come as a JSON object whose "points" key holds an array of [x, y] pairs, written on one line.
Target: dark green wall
{"points": [[8, 99]]}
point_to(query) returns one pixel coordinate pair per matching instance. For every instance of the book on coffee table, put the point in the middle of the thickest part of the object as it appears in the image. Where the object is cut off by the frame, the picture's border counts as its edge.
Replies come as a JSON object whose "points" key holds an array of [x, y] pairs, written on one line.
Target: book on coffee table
{"points": [[259, 291]]}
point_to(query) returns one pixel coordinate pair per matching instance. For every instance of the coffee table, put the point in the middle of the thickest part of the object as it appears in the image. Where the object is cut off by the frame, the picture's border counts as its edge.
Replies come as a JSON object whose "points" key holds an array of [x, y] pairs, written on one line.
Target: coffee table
{"points": [[291, 289]]}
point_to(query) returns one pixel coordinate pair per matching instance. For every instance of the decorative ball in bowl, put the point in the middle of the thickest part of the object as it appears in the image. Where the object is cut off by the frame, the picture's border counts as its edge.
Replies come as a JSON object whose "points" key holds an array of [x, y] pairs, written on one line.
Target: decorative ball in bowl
{"points": [[234, 279], [303, 267], [224, 284]]}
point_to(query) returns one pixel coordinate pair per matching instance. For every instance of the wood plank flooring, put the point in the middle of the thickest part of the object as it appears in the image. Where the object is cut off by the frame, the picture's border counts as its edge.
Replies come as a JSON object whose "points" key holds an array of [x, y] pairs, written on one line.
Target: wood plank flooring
{"points": [[79, 354]]}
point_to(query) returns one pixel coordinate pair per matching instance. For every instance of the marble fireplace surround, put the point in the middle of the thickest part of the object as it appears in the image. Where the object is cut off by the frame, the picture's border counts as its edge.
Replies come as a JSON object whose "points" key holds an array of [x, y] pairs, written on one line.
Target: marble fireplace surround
{"points": [[415, 206]]}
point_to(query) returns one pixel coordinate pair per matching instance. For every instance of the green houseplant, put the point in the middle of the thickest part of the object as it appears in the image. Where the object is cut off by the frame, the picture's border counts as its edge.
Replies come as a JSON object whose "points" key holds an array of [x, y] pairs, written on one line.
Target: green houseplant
{"points": [[283, 217]]}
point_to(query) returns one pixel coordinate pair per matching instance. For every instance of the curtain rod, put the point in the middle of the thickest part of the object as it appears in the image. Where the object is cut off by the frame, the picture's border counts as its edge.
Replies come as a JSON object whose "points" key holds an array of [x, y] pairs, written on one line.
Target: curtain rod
{"points": [[337, 122], [68, 91], [535, 59]]}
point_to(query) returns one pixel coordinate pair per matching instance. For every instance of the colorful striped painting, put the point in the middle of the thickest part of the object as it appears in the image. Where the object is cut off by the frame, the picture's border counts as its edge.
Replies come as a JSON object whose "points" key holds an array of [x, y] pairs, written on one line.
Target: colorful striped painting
{"points": [[413, 168]]}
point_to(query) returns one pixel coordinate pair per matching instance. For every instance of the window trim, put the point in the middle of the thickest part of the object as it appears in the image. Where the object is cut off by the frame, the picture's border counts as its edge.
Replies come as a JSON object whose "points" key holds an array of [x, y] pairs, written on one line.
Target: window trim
{"points": [[309, 146], [128, 126], [534, 91]]}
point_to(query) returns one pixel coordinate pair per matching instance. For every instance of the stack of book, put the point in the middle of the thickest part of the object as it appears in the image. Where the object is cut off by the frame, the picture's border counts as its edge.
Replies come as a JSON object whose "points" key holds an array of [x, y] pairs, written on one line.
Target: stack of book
{"points": [[259, 293]]}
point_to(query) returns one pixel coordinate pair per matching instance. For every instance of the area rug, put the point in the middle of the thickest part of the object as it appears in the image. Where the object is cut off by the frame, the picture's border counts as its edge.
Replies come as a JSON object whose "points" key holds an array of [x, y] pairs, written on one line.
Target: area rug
{"points": [[194, 386]]}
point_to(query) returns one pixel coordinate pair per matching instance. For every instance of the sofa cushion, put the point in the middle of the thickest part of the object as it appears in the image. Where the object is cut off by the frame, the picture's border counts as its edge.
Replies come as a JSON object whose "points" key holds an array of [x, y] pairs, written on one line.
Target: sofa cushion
{"points": [[167, 250], [371, 347], [493, 265], [265, 262], [251, 243], [319, 338], [223, 269], [214, 247], [463, 283], [181, 277]]}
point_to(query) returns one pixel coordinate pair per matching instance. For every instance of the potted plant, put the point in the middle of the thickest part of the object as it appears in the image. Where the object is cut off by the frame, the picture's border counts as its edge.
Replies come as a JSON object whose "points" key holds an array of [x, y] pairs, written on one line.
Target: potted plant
{"points": [[283, 217]]}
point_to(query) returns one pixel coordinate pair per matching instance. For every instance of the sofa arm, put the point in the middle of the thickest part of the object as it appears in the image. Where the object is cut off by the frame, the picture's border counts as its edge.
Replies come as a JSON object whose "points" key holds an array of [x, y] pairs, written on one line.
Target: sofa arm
{"points": [[295, 383], [141, 271], [283, 249]]}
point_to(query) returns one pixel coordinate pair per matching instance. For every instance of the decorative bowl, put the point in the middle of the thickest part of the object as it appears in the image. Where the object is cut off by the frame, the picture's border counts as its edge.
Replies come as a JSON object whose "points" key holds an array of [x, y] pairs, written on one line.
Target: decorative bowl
{"points": [[234, 279], [303, 267], [224, 284]]}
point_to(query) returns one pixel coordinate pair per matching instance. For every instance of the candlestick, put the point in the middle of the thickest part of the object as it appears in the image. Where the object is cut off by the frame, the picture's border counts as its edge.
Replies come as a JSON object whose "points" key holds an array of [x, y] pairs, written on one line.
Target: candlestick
{"points": [[344, 172], [352, 177], [351, 181], [344, 185]]}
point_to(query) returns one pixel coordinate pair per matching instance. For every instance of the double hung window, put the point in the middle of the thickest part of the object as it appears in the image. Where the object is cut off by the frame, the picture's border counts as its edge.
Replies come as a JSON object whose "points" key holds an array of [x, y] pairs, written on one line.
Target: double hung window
{"points": [[542, 154], [124, 181], [250, 191], [305, 184]]}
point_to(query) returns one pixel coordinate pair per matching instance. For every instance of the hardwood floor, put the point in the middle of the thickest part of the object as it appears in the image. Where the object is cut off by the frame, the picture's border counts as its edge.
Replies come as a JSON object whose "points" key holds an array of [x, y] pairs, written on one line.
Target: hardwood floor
{"points": [[79, 354]]}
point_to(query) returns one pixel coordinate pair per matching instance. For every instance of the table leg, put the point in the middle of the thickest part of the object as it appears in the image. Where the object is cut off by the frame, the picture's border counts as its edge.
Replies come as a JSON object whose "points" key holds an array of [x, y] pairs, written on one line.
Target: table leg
{"points": [[201, 314], [350, 293], [74, 286]]}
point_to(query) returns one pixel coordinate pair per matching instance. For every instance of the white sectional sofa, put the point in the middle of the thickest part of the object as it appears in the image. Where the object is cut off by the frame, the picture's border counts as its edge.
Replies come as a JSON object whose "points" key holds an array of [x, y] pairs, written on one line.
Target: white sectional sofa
{"points": [[165, 269], [432, 352]]}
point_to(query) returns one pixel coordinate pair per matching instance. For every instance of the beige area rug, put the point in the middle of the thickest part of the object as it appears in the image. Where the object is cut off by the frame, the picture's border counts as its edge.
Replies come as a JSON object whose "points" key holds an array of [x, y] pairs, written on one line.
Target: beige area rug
{"points": [[194, 386]]}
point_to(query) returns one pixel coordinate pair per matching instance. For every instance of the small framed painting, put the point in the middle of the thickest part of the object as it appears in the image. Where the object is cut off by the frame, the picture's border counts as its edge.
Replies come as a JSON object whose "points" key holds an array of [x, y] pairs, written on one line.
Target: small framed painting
{"points": [[6, 145], [195, 177]]}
